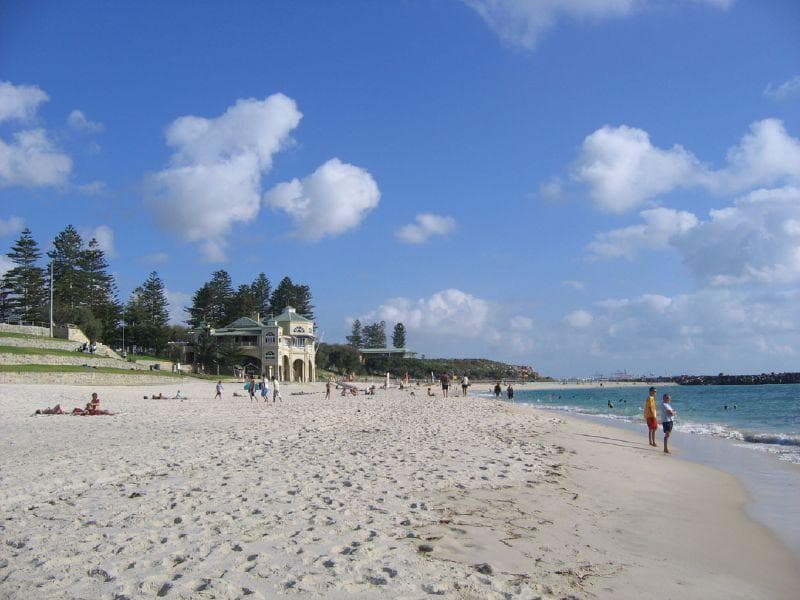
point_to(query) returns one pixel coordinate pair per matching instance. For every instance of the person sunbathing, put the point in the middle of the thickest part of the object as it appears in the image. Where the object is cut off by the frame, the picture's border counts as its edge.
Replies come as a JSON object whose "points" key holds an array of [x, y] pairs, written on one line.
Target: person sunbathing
{"points": [[56, 410]]}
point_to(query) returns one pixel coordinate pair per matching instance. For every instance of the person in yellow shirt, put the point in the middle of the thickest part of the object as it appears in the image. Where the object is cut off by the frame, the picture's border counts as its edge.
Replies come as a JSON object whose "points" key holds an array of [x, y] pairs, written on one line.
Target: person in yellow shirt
{"points": [[651, 416]]}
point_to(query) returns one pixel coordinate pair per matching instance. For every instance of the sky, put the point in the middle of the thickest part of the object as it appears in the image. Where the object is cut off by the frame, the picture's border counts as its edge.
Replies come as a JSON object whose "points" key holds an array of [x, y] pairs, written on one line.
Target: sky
{"points": [[583, 186]]}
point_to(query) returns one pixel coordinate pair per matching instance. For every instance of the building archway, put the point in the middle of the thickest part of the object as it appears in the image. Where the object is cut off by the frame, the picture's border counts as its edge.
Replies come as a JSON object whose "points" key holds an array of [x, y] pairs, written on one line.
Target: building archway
{"points": [[299, 370]]}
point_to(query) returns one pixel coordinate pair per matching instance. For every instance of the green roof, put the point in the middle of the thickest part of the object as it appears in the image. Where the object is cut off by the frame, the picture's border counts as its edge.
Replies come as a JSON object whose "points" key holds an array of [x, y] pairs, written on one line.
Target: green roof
{"points": [[244, 323], [289, 314]]}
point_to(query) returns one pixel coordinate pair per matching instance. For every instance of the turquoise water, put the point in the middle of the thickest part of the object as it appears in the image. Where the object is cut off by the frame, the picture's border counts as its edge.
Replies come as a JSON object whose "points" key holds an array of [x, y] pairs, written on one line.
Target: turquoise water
{"points": [[758, 417]]}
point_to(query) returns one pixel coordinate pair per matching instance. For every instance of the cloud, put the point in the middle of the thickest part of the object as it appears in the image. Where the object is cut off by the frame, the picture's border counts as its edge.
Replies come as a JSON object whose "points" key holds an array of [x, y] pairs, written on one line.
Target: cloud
{"points": [[427, 225], [754, 240], [522, 23], [5, 264], [786, 90], [659, 227], [11, 225], [452, 322], [706, 331], [448, 312], [105, 239], [332, 200], [32, 160], [20, 102], [78, 121], [622, 168], [177, 301], [575, 285], [579, 319], [213, 181]]}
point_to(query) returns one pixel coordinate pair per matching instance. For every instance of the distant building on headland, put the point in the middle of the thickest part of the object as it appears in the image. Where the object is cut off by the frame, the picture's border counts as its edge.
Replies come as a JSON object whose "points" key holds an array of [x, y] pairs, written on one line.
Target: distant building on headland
{"points": [[282, 346], [365, 353]]}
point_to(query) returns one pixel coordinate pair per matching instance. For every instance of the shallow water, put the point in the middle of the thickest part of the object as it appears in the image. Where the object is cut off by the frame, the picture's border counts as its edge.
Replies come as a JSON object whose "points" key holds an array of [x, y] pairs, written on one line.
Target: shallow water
{"points": [[765, 418]]}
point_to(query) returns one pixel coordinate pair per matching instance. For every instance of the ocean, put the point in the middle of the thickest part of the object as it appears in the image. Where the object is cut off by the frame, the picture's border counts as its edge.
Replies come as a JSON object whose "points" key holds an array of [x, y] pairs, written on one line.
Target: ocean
{"points": [[764, 418]]}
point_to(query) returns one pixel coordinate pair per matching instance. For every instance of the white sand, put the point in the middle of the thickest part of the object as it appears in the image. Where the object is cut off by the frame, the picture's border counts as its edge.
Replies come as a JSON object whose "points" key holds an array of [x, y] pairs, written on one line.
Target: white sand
{"points": [[369, 497]]}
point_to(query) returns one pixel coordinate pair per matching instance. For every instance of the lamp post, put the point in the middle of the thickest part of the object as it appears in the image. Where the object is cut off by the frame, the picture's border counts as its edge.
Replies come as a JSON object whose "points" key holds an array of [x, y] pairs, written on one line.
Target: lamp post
{"points": [[51, 297]]}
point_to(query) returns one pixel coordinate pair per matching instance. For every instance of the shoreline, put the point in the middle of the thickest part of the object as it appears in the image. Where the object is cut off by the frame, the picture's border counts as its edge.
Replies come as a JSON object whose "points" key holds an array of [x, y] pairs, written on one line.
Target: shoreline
{"points": [[370, 497], [767, 480]]}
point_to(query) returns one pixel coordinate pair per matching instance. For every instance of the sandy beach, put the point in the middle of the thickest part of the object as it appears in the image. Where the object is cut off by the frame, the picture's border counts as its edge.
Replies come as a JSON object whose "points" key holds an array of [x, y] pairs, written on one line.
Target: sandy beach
{"points": [[385, 496]]}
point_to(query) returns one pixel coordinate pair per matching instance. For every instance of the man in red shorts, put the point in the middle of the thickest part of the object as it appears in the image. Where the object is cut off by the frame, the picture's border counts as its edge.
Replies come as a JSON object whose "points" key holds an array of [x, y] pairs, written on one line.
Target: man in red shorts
{"points": [[651, 416]]}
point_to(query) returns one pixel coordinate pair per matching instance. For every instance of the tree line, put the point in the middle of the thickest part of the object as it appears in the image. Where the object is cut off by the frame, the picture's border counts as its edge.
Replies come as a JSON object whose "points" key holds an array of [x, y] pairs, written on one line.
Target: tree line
{"points": [[85, 293], [373, 335]]}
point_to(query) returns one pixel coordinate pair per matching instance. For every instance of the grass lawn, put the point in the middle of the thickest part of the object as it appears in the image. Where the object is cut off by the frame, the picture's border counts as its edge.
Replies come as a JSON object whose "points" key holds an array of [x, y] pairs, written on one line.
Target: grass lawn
{"points": [[39, 351], [26, 336]]}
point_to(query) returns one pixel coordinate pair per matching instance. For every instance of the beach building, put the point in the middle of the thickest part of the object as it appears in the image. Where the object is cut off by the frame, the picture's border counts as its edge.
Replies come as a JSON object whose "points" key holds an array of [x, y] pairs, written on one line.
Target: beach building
{"points": [[283, 346]]}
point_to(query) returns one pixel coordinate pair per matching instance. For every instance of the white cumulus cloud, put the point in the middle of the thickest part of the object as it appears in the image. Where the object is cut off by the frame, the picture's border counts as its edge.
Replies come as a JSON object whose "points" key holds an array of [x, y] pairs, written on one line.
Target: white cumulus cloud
{"points": [[30, 158], [213, 181], [752, 241], [453, 322], [11, 225], [426, 226], [78, 121], [523, 22], [660, 226], [622, 168], [105, 239], [332, 200], [20, 102]]}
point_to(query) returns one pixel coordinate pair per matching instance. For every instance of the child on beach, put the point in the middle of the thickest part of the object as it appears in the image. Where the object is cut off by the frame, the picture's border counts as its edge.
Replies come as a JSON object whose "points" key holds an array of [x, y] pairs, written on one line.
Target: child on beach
{"points": [[219, 391], [667, 418], [328, 387], [651, 417]]}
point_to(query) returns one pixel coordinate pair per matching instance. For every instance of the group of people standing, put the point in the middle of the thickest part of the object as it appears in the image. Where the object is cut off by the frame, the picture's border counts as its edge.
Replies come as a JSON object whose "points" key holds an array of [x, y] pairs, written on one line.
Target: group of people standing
{"points": [[651, 417], [499, 390], [251, 386]]}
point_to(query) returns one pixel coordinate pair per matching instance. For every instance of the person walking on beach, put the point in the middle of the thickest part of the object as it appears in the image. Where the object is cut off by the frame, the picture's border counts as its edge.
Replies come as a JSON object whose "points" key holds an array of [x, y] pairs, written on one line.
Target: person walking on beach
{"points": [[464, 385], [651, 417], [510, 392], [264, 389], [219, 391], [667, 418], [276, 389], [497, 390], [445, 384], [328, 387]]}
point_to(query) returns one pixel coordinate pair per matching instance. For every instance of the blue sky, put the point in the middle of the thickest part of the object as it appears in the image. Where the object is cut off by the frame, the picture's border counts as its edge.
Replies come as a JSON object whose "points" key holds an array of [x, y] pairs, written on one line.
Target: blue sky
{"points": [[583, 186]]}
